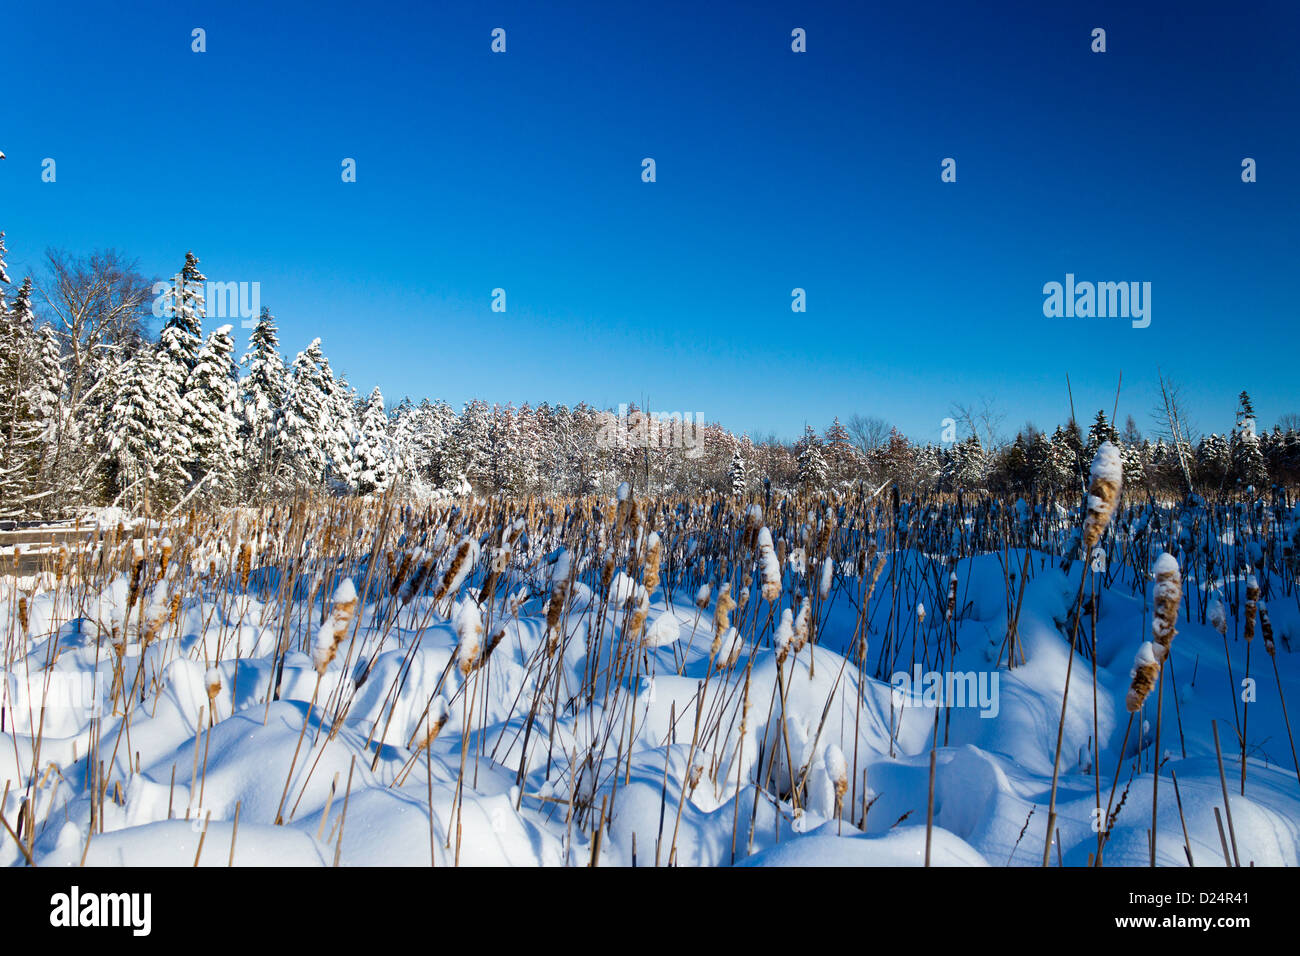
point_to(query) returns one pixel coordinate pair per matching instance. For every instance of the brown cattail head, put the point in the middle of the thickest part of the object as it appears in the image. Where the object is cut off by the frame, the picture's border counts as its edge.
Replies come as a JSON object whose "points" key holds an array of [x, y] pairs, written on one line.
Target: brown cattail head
{"points": [[1169, 592], [654, 555], [335, 628], [769, 566], [837, 769], [1145, 671], [1252, 603], [1105, 480], [1267, 627], [212, 682], [438, 715]]}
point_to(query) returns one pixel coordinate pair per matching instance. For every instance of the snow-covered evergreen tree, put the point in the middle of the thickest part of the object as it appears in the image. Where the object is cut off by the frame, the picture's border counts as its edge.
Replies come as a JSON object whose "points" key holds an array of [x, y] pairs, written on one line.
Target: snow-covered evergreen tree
{"points": [[306, 421], [812, 465], [262, 395], [340, 405], [177, 354], [134, 430], [372, 461], [1248, 466], [212, 402], [736, 474]]}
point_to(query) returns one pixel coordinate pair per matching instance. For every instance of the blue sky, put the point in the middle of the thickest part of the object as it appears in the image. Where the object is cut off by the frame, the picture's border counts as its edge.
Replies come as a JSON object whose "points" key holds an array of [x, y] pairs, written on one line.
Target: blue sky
{"points": [[775, 170]]}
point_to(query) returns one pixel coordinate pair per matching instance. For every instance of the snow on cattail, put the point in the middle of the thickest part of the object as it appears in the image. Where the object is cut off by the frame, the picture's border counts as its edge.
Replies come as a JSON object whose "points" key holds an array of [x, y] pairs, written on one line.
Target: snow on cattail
{"points": [[438, 714], [469, 630], [952, 596], [837, 769], [1218, 618], [784, 634], [212, 683], [801, 627], [463, 562], [1267, 627], [334, 629], [1252, 603], [722, 615], [734, 642], [1146, 668], [875, 573], [559, 593], [1169, 592], [828, 575], [702, 596], [654, 554], [769, 566], [1106, 477], [920, 613]]}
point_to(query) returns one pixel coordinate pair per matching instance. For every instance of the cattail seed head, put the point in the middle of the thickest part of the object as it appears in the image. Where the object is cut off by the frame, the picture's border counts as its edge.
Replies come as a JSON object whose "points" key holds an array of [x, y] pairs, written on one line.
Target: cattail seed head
{"points": [[1105, 480], [1146, 668]]}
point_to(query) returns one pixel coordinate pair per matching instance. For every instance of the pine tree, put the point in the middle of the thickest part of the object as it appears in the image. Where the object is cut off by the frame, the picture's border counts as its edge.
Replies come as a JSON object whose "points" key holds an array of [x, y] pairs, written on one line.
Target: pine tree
{"points": [[1100, 431], [212, 402], [736, 474], [306, 420], [133, 430], [340, 424], [1213, 462], [1248, 466], [177, 354], [262, 394], [840, 453], [20, 425], [372, 465], [812, 466]]}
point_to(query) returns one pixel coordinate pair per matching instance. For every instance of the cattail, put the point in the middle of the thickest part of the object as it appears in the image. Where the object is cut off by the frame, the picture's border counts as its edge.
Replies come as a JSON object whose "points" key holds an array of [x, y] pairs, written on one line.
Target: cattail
{"points": [[212, 681], [702, 597], [1267, 627], [1145, 671], [734, 641], [875, 574], [607, 573], [335, 628], [722, 616], [1218, 618], [769, 566], [1168, 594], [784, 634], [653, 557], [837, 769], [828, 575], [245, 564], [952, 596], [399, 576], [1252, 602], [920, 613], [639, 614], [801, 627], [559, 594], [469, 628], [438, 714], [462, 563], [1105, 480]]}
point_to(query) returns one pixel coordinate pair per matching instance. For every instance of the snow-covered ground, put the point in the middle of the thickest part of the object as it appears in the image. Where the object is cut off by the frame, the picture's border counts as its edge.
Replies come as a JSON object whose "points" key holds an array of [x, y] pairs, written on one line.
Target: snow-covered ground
{"points": [[565, 730]]}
